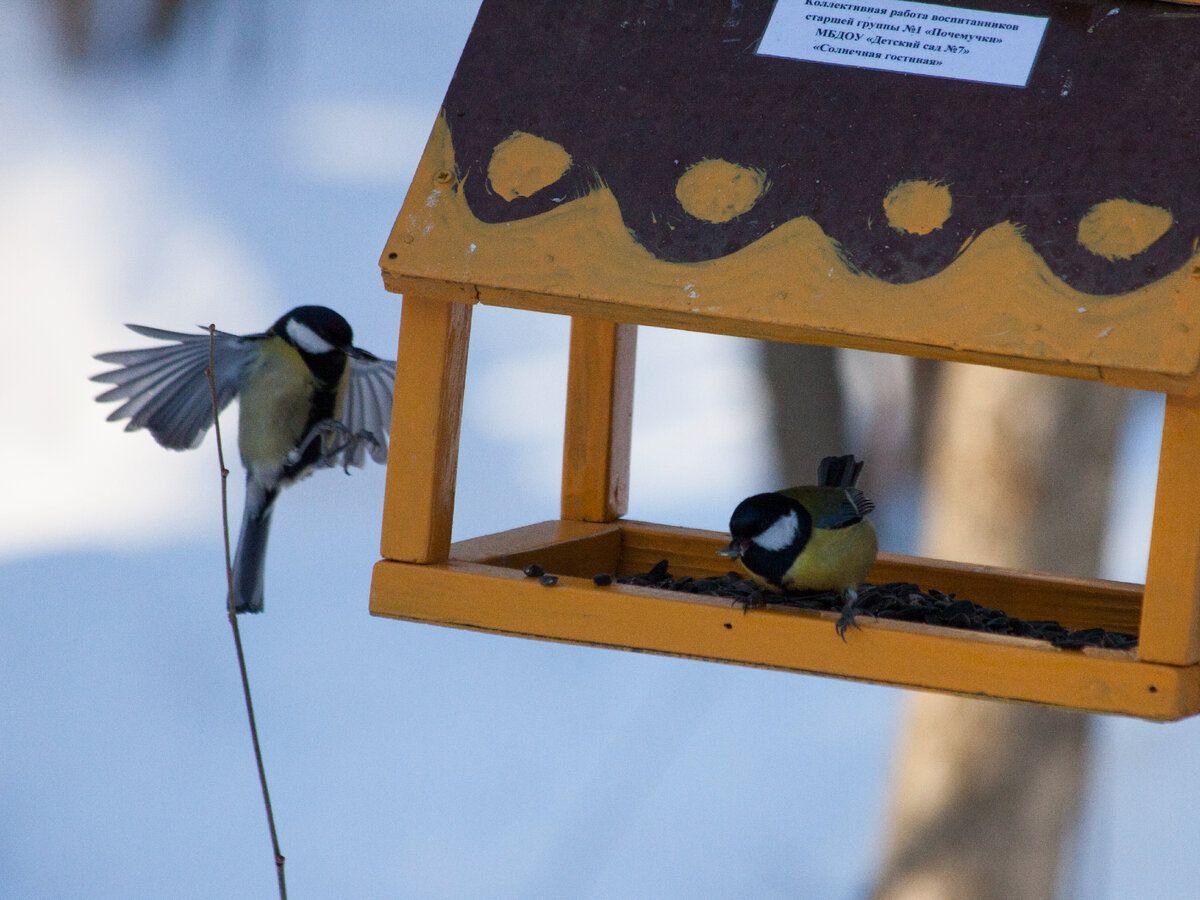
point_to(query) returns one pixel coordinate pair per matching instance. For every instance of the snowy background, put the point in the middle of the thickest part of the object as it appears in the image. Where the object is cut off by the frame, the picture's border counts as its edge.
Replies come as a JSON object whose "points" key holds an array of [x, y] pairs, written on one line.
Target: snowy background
{"points": [[258, 166]]}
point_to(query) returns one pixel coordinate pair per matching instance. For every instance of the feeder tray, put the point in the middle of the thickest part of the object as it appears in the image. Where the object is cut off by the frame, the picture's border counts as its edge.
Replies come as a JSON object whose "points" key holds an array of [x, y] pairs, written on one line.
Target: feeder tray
{"points": [[712, 168]]}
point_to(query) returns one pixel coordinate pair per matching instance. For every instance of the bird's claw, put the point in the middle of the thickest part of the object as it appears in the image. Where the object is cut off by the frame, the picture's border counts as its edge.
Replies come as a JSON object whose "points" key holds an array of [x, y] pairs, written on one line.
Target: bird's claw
{"points": [[844, 622], [329, 428], [351, 441], [847, 618], [752, 601]]}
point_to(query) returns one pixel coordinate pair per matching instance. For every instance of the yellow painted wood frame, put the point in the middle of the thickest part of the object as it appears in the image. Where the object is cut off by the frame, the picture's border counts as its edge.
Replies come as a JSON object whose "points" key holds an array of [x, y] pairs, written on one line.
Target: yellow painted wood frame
{"points": [[997, 302], [481, 587], [479, 584]]}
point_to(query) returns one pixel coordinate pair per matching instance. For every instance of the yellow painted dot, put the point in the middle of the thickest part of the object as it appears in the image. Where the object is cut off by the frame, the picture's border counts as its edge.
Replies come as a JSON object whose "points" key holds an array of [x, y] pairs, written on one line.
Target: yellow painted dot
{"points": [[1121, 229], [522, 164], [918, 207], [716, 191]]}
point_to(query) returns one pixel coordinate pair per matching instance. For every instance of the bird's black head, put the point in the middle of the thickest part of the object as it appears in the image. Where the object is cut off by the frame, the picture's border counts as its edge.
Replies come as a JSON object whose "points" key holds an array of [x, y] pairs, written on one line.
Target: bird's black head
{"points": [[320, 336], [769, 531], [314, 330]]}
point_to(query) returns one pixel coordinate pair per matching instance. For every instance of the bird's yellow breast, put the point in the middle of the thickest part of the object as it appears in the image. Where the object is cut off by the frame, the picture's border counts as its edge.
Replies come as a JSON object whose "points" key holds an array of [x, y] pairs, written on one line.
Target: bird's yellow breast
{"points": [[274, 405], [834, 559]]}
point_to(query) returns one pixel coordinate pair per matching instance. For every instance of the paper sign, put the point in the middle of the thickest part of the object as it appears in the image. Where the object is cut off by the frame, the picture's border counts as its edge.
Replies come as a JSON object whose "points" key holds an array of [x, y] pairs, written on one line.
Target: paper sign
{"points": [[915, 38]]}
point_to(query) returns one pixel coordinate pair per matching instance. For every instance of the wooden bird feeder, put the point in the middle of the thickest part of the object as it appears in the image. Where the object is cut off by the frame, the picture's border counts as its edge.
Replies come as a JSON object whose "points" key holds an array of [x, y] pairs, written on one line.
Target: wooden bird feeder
{"points": [[1015, 184]]}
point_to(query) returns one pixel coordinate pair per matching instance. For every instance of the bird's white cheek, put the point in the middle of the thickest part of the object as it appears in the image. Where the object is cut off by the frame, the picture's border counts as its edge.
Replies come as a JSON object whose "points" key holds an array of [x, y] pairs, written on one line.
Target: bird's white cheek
{"points": [[779, 535], [307, 339]]}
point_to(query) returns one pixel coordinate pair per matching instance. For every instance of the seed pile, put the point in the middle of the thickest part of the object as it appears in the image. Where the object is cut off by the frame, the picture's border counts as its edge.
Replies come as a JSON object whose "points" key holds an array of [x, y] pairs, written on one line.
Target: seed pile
{"points": [[897, 600]]}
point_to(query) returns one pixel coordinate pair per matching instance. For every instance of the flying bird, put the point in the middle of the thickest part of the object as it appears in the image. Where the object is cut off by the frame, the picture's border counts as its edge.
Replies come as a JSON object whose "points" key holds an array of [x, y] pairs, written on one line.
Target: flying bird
{"points": [[809, 538], [307, 399]]}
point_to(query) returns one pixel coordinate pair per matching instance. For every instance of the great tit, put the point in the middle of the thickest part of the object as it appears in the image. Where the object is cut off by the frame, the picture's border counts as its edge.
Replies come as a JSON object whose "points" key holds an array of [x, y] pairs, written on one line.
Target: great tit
{"points": [[307, 398], [809, 538]]}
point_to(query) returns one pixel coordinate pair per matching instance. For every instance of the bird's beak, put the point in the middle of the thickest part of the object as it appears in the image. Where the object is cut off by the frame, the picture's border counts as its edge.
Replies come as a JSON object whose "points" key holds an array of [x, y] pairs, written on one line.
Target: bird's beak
{"points": [[734, 550]]}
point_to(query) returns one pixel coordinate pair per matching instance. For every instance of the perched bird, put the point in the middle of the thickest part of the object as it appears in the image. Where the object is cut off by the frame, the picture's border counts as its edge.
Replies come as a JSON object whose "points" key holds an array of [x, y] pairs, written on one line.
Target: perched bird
{"points": [[308, 398], [809, 538]]}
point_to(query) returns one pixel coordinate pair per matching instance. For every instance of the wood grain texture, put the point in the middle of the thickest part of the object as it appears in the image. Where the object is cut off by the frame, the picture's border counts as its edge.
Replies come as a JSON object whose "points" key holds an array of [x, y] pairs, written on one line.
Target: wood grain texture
{"points": [[599, 422], [491, 548], [503, 601], [563, 547], [1170, 628], [418, 509]]}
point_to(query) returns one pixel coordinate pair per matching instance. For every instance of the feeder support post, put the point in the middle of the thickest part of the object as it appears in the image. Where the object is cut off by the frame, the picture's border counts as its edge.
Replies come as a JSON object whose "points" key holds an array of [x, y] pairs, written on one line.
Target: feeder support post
{"points": [[423, 458], [1170, 627], [595, 478]]}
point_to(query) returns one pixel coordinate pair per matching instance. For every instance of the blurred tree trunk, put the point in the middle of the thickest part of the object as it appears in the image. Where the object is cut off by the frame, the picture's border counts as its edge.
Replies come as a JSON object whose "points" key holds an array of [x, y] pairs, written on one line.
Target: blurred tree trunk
{"points": [[986, 795], [74, 25], [806, 404], [155, 25], [814, 391]]}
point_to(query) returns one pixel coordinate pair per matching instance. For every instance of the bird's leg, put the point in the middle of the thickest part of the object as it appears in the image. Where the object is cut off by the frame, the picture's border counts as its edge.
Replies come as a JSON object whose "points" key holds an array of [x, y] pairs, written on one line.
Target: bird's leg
{"points": [[849, 602], [318, 432], [327, 428], [348, 440], [756, 600], [362, 436]]}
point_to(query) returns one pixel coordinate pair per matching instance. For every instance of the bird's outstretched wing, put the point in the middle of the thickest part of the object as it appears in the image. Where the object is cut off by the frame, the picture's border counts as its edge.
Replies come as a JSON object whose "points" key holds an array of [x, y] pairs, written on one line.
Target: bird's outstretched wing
{"points": [[165, 389], [366, 409]]}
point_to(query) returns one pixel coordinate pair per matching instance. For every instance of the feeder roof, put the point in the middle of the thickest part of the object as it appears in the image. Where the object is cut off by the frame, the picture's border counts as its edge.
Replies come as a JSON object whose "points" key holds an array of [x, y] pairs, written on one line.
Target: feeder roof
{"points": [[662, 167]]}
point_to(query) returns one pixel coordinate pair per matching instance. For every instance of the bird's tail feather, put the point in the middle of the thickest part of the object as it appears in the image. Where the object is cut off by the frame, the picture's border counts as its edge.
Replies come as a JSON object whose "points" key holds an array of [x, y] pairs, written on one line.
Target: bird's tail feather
{"points": [[251, 557], [839, 471]]}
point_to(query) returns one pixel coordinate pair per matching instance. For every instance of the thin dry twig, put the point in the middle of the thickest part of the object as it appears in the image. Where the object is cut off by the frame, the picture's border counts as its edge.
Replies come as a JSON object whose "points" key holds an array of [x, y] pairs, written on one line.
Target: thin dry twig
{"points": [[233, 622]]}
